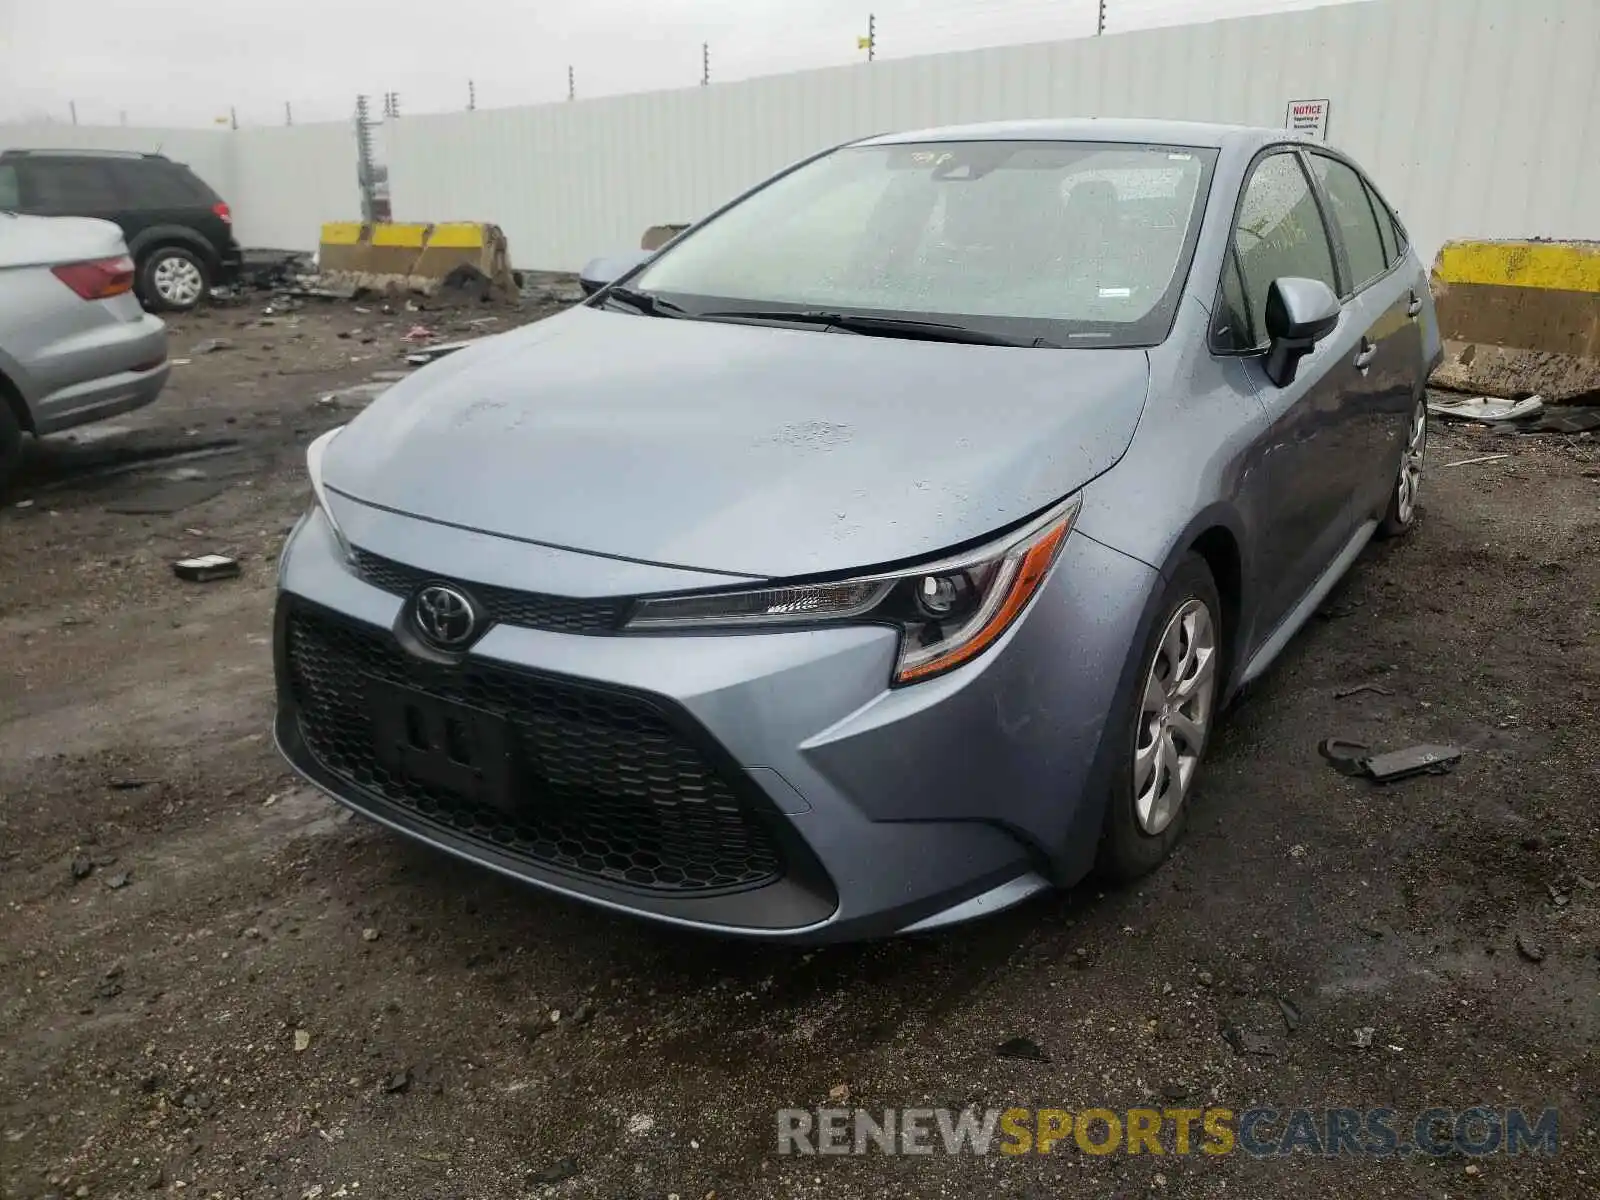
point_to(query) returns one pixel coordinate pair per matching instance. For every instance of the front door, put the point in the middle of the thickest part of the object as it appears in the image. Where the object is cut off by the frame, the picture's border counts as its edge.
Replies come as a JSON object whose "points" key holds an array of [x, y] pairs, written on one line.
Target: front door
{"points": [[1298, 490]]}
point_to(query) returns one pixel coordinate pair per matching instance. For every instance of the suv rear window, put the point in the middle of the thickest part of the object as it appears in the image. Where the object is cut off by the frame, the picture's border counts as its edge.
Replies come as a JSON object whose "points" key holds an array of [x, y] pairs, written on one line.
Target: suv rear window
{"points": [[150, 183]]}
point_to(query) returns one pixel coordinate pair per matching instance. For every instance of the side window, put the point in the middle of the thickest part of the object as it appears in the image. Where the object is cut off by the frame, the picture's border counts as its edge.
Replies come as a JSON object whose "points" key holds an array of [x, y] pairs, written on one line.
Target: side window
{"points": [[1279, 232], [1388, 223], [63, 187], [1352, 213], [150, 184], [10, 193], [1385, 226]]}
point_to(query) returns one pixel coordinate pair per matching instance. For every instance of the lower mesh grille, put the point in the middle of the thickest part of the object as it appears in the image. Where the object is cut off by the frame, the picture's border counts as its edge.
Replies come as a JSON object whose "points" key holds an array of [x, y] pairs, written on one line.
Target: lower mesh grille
{"points": [[606, 786]]}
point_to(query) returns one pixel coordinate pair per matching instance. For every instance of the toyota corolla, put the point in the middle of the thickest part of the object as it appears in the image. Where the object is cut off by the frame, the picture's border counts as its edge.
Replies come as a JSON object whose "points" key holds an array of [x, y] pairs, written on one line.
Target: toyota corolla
{"points": [[882, 550]]}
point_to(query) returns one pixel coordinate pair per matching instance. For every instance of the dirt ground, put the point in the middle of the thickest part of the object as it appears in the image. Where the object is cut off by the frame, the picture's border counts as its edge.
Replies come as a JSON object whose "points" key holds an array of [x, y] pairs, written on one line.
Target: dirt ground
{"points": [[250, 994]]}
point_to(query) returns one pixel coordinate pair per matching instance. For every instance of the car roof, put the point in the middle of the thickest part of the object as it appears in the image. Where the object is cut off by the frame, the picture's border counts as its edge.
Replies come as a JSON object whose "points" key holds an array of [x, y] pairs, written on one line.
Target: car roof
{"points": [[82, 153], [1092, 129]]}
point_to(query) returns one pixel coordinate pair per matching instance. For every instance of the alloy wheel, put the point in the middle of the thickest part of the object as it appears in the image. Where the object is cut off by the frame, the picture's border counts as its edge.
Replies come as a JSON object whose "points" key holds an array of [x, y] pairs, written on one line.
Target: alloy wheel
{"points": [[1174, 716], [178, 281], [1411, 466]]}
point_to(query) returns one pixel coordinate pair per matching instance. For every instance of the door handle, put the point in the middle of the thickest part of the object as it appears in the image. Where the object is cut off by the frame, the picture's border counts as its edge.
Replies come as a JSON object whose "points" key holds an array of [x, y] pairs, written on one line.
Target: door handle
{"points": [[1369, 351], [1414, 309]]}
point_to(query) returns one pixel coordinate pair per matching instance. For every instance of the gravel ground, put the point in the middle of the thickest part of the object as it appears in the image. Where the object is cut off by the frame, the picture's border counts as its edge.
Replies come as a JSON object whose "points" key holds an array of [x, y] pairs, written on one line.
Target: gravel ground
{"points": [[248, 993]]}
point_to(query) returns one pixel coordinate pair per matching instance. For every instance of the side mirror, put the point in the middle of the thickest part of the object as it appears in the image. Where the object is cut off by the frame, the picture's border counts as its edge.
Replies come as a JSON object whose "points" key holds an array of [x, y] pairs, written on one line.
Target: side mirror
{"points": [[1300, 313], [601, 272]]}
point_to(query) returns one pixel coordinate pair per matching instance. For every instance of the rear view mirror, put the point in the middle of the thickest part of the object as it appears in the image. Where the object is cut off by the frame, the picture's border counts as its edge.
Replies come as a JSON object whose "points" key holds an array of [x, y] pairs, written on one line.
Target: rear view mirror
{"points": [[1300, 313], [601, 272]]}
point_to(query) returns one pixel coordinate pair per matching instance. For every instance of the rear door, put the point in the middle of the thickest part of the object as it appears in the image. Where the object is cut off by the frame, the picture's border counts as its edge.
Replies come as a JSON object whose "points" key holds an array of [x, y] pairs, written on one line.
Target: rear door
{"points": [[1383, 297], [1297, 495]]}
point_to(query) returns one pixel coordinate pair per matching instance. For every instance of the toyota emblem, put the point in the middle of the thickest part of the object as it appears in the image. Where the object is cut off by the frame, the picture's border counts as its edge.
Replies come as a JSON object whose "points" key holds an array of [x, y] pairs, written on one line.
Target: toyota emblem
{"points": [[444, 616]]}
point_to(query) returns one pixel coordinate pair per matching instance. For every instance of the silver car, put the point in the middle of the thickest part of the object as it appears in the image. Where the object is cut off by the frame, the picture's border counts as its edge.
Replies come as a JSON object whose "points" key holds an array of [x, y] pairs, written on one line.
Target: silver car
{"points": [[75, 345], [880, 551]]}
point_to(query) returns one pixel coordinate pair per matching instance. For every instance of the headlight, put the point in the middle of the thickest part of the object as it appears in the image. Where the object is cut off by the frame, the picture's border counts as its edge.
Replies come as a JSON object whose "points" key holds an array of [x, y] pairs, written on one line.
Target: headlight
{"points": [[314, 456], [948, 612]]}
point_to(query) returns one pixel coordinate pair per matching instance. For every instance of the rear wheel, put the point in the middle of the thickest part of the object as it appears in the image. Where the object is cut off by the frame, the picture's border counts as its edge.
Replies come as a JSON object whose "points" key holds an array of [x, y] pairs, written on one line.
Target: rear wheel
{"points": [[174, 278], [1402, 514], [1166, 727]]}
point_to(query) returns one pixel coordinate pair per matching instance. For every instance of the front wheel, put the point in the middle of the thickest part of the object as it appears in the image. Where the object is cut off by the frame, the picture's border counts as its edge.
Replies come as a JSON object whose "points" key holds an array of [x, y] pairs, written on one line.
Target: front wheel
{"points": [[174, 278], [1166, 726], [1402, 513]]}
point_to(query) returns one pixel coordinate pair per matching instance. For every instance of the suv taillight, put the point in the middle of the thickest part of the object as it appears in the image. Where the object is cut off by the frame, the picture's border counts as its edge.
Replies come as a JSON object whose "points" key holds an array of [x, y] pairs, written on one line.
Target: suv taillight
{"points": [[222, 210], [97, 280]]}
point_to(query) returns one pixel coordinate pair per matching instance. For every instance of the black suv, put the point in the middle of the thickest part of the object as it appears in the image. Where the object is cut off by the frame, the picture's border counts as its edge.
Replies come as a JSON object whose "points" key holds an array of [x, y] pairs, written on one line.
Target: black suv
{"points": [[179, 231]]}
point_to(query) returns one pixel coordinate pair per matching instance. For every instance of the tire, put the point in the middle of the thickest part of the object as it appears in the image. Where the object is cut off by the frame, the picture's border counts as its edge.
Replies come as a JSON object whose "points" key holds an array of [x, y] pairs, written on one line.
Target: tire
{"points": [[1401, 516], [173, 279], [1145, 819], [10, 440]]}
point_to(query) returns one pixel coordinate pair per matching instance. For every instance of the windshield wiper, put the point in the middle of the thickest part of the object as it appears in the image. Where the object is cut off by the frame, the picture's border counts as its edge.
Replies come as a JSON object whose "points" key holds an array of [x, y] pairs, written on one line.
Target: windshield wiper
{"points": [[929, 331], [647, 303]]}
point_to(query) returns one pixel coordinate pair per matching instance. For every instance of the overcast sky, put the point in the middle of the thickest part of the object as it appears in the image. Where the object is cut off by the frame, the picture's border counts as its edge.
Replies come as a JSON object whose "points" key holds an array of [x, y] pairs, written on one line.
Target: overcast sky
{"points": [[187, 61]]}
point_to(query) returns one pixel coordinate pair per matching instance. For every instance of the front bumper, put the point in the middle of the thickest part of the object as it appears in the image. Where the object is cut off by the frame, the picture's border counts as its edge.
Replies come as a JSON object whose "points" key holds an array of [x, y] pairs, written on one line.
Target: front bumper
{"points": [[887, 810]]}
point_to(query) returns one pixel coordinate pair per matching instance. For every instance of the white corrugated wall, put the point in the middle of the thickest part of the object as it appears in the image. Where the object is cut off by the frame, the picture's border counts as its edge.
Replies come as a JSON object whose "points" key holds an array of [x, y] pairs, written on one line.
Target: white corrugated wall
{"points": [[1479, 118]]}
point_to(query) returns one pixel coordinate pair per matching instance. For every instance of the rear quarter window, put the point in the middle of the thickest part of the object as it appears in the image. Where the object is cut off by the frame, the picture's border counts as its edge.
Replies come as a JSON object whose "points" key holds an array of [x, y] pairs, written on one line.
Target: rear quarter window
{"points": [[147, 183]]}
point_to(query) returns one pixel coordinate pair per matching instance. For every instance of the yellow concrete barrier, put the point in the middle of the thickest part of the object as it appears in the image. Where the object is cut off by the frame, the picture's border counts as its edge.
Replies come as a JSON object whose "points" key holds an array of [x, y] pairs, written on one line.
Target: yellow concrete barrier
{"points": [[415, 256], [1520, 317]]}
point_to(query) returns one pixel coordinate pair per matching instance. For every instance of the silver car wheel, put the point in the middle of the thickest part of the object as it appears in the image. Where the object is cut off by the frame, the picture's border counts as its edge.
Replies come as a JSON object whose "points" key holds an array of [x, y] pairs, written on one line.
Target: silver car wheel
{"points": [[1411, 466], [178, 281], [1174, 716]]}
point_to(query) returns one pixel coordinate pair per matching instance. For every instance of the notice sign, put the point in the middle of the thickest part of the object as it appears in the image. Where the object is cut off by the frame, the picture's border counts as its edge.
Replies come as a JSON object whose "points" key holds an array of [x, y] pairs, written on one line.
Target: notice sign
{"points": [[1308, 118]]}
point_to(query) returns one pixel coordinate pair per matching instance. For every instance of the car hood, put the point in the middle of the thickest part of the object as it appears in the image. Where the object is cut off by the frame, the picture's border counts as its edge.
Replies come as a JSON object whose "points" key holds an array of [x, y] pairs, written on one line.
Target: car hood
{"points": [[743, 449], [45, 241]]}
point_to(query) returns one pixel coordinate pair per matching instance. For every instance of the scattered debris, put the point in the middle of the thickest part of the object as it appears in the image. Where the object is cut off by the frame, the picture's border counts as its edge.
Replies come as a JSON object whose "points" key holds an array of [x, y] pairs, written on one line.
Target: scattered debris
{"points": [[839, 1093], [128, 785], [399, 1083], [206, 568], [1375, 689], [356, 396], [23, 504], [1021, 1048], [82, 868], [1244, 1041], [211, 346], [370, 935], [1364, 1035], [1486, 409], [390, 376], [302, 1040], [561, 1169], [1291, 1014], [1354, 759], [418, 358], [119, 881], [1206, 978], [419, 333], [1529, 949], [1487, 458]]}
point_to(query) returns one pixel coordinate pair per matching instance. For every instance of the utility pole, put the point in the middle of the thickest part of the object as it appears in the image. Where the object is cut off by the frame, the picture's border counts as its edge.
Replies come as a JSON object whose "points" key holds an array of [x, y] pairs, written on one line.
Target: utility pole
{"points": [[572, 86], [233, 116], [288, 114], [705, 63], [73, 105], [1101, 27], [364, 171], [472, 96], [872, 36]]}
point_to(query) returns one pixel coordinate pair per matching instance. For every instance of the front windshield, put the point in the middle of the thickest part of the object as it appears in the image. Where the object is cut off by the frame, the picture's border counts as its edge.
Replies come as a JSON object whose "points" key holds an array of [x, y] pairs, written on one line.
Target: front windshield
{"points": [[1080, 242]]}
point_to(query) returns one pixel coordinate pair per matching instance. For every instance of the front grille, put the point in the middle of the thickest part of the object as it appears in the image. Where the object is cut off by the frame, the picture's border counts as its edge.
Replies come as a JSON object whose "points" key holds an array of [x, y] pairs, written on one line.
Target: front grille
{"points": [[531, 610], [608, 788]]}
